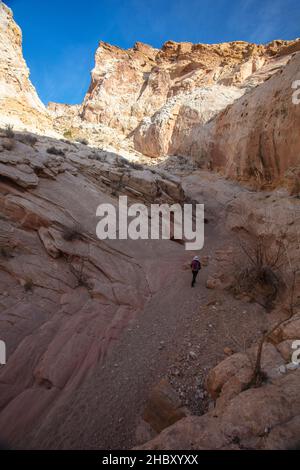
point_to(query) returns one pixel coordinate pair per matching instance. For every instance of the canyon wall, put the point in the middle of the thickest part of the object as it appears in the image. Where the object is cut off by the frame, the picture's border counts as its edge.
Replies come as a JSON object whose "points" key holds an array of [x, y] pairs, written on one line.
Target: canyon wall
{"points": [[128, 85], [19, 102], [255, 138], [220, 104]]}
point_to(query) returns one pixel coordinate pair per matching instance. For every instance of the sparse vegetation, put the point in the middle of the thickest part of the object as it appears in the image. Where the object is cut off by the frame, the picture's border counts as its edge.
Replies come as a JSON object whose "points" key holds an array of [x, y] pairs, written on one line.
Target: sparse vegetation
{"points": [[72, 233], [136, 166], [258, 375], [77, 269], [28, 139], [46, 383], [73, 135], [120, 162], [9, 132], [117, 187], [82, 278], [6, 252], [28, 285], [68, 134], [55, 151], [261, 277], [97, 156]]}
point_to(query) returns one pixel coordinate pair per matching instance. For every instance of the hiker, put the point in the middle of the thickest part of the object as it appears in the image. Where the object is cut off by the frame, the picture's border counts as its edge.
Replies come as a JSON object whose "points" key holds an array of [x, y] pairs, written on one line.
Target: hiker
{"points": [[196, 266]]}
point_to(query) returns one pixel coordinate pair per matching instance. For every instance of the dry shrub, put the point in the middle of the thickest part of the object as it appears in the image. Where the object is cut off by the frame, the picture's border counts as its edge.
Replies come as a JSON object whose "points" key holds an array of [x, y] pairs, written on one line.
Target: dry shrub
{"points": [[82, 278], [6, 252], [28, 285], [28, 139], [135, 166], [97, 156], [116, 188], [76, 265], [73, 232], [55, 151], [9, 133], [258, 375], [261, 277], [121, 162]]}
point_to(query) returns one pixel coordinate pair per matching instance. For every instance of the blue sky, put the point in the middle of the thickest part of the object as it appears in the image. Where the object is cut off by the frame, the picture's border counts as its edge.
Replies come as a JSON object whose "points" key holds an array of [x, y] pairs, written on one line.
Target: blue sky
{"points": [[60, 36]]}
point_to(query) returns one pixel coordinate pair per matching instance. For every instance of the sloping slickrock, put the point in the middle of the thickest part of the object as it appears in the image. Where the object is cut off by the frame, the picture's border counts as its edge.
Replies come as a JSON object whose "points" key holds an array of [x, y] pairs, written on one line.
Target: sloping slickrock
{"points": [[66, 301], [22, 175]]}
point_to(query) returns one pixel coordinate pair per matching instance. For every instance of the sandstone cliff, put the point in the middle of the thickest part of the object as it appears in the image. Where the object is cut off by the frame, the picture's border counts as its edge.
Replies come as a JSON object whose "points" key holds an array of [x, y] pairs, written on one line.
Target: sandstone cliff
{"points": [[19, 102], [221, 104], [164, 100], [128, 85], [256, 138]]}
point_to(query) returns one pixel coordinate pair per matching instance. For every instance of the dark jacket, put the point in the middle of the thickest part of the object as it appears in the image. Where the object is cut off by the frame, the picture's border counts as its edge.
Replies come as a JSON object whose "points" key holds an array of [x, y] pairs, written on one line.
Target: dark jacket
{"points": [[195, 265]]}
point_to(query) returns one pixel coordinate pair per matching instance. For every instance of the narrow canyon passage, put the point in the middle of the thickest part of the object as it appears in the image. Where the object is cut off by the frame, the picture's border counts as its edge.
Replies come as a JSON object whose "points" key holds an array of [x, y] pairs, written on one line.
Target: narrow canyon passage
{"points": [[105, 411], [90, 325]]}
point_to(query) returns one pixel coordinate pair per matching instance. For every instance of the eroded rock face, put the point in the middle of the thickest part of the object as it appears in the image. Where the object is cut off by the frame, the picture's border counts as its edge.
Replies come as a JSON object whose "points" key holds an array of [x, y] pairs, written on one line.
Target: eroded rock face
{"points": [[226, 105], [160, 97], [122, 90], [166, 132], [255, 138], [203, 81], [19, 102]]}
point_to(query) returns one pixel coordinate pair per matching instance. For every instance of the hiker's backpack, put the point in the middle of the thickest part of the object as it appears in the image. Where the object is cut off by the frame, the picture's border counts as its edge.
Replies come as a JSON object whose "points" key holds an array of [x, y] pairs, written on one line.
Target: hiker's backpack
{"points": [[196, 265]]}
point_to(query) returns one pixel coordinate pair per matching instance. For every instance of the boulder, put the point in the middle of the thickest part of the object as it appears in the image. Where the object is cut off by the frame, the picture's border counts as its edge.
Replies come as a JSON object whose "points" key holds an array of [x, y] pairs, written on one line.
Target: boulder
{"points": [[163, 407]]}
